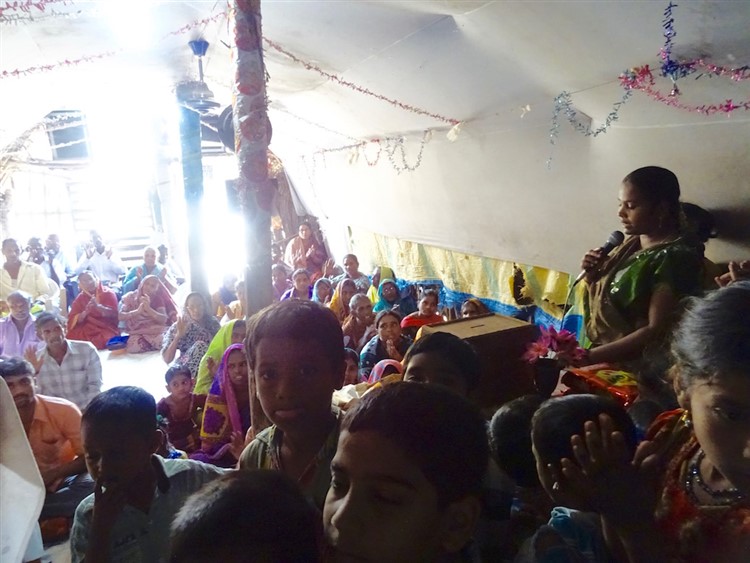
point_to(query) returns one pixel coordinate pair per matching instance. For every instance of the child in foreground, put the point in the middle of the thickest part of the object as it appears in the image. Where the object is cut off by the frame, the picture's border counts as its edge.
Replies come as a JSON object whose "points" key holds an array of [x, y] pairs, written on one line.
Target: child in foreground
{"points": [[407, 477], [296, 355], [181, 409], [574, 532], [137, 493], [250, 516]]}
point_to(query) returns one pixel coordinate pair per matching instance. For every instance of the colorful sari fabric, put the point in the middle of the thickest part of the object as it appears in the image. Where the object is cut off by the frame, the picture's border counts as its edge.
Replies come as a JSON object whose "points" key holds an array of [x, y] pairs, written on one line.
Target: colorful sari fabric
{"points": [[415, 320], [145, 332], [222, 416], [695, 533], [95, 327], [386, 272], [379, 371], [618, 302], [404, 303], [215, 351], [337, 304]]}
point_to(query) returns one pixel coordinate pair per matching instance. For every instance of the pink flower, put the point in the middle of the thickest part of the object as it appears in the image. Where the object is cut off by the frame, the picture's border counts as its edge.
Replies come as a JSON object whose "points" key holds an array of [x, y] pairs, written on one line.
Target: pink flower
{"points": [[560, 345]]}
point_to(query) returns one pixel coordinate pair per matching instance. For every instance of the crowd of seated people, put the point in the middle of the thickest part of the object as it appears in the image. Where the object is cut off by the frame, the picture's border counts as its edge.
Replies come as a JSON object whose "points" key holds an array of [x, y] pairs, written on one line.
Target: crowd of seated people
{"points": [[406, 472], [566, 478]]}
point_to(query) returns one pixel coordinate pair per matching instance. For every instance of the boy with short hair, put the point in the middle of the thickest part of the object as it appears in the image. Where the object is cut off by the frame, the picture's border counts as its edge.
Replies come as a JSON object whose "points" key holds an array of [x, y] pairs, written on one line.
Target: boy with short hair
{"points": [[137, 493], [444, 359], [407, 476], [254, 515], [296, 354]]}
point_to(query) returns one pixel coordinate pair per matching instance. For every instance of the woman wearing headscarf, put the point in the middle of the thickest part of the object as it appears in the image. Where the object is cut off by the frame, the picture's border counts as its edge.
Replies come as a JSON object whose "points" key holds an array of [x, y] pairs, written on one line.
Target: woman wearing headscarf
{"points": [[147, 312], [226, 416], [322, 291], [391, 299], [343, 294], [231, 333]]}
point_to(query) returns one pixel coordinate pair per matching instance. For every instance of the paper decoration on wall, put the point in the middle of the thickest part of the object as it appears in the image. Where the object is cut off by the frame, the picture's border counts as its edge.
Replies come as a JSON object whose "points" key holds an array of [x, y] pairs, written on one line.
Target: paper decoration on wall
{"points": [[641, 78]]}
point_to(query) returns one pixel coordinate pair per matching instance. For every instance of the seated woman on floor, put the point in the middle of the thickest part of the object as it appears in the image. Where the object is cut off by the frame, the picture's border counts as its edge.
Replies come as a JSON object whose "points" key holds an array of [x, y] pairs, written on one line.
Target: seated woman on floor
{"points": [[378, 273], [322, 291], [226, 416], [391, 299], [301, 288], [190, 334], [149, 267], [305, 252], [345, 290], [473, 307], [93, 314], [359, 326], [147, 313], [388, 343], [231, 333], [632, 295], [426, 315]]}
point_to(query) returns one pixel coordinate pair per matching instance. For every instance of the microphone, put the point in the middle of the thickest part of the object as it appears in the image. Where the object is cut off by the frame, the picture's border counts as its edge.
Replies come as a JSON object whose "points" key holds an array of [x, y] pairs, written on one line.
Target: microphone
{"points": [[614, 240]]}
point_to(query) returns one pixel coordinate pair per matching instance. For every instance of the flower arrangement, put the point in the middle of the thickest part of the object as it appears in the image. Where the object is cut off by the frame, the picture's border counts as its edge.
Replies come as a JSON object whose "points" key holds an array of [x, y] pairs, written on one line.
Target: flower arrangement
{"points": [[555, 345]]}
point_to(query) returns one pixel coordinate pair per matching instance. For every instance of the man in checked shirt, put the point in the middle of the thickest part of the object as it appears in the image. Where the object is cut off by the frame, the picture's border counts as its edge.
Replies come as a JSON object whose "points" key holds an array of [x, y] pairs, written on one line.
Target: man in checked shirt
{"points": [[70, 369]]}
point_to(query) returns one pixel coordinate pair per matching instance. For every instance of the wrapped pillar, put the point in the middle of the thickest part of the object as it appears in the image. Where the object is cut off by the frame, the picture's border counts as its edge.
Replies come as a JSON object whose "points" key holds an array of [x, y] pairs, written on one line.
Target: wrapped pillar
{"points": [[252, 136], [192, 173], [252, 133]]}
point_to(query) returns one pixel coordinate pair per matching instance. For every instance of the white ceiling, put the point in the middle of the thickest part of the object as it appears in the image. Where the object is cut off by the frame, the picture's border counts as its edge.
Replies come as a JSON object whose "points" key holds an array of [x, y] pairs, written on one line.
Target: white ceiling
{"points": [[483, 63], [466, 60]]}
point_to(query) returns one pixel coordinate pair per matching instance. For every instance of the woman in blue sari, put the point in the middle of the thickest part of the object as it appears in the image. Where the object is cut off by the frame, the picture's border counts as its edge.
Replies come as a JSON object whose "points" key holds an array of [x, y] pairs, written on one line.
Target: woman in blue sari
{"points": [[391, 299]]}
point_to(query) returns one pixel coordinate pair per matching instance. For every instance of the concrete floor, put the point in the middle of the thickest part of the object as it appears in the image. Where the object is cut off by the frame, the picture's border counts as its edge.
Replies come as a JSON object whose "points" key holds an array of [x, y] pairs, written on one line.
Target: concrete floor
{"points": [[142, 370]]}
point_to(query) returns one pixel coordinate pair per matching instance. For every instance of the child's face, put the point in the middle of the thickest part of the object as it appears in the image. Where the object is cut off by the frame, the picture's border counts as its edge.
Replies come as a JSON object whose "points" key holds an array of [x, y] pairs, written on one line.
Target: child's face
{"points": [[428, 306], [115, 455], [380, 506], [720, 412], [180, 386], [301, 282], [432, 369], [294, 381], [237, 370], [350, 375]]}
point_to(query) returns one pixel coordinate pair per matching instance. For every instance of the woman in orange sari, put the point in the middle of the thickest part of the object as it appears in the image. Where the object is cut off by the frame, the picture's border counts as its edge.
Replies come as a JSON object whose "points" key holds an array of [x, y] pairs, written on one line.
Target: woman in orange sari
{"points": [[93, 314]]}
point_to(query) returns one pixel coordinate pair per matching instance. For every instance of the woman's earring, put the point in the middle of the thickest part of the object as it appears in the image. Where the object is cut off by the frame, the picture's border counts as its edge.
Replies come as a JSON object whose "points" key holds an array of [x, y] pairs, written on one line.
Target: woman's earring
{"points": [[688, 420]]}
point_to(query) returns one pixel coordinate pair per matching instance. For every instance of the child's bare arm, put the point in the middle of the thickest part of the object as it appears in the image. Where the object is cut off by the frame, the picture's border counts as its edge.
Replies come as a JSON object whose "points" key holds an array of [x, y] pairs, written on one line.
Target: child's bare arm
{"points": [[107, 507]]}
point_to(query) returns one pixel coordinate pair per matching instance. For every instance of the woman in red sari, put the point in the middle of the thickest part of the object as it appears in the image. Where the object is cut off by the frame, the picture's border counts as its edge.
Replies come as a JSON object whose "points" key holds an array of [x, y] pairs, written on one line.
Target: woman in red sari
{"points": [[93, 314]]}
